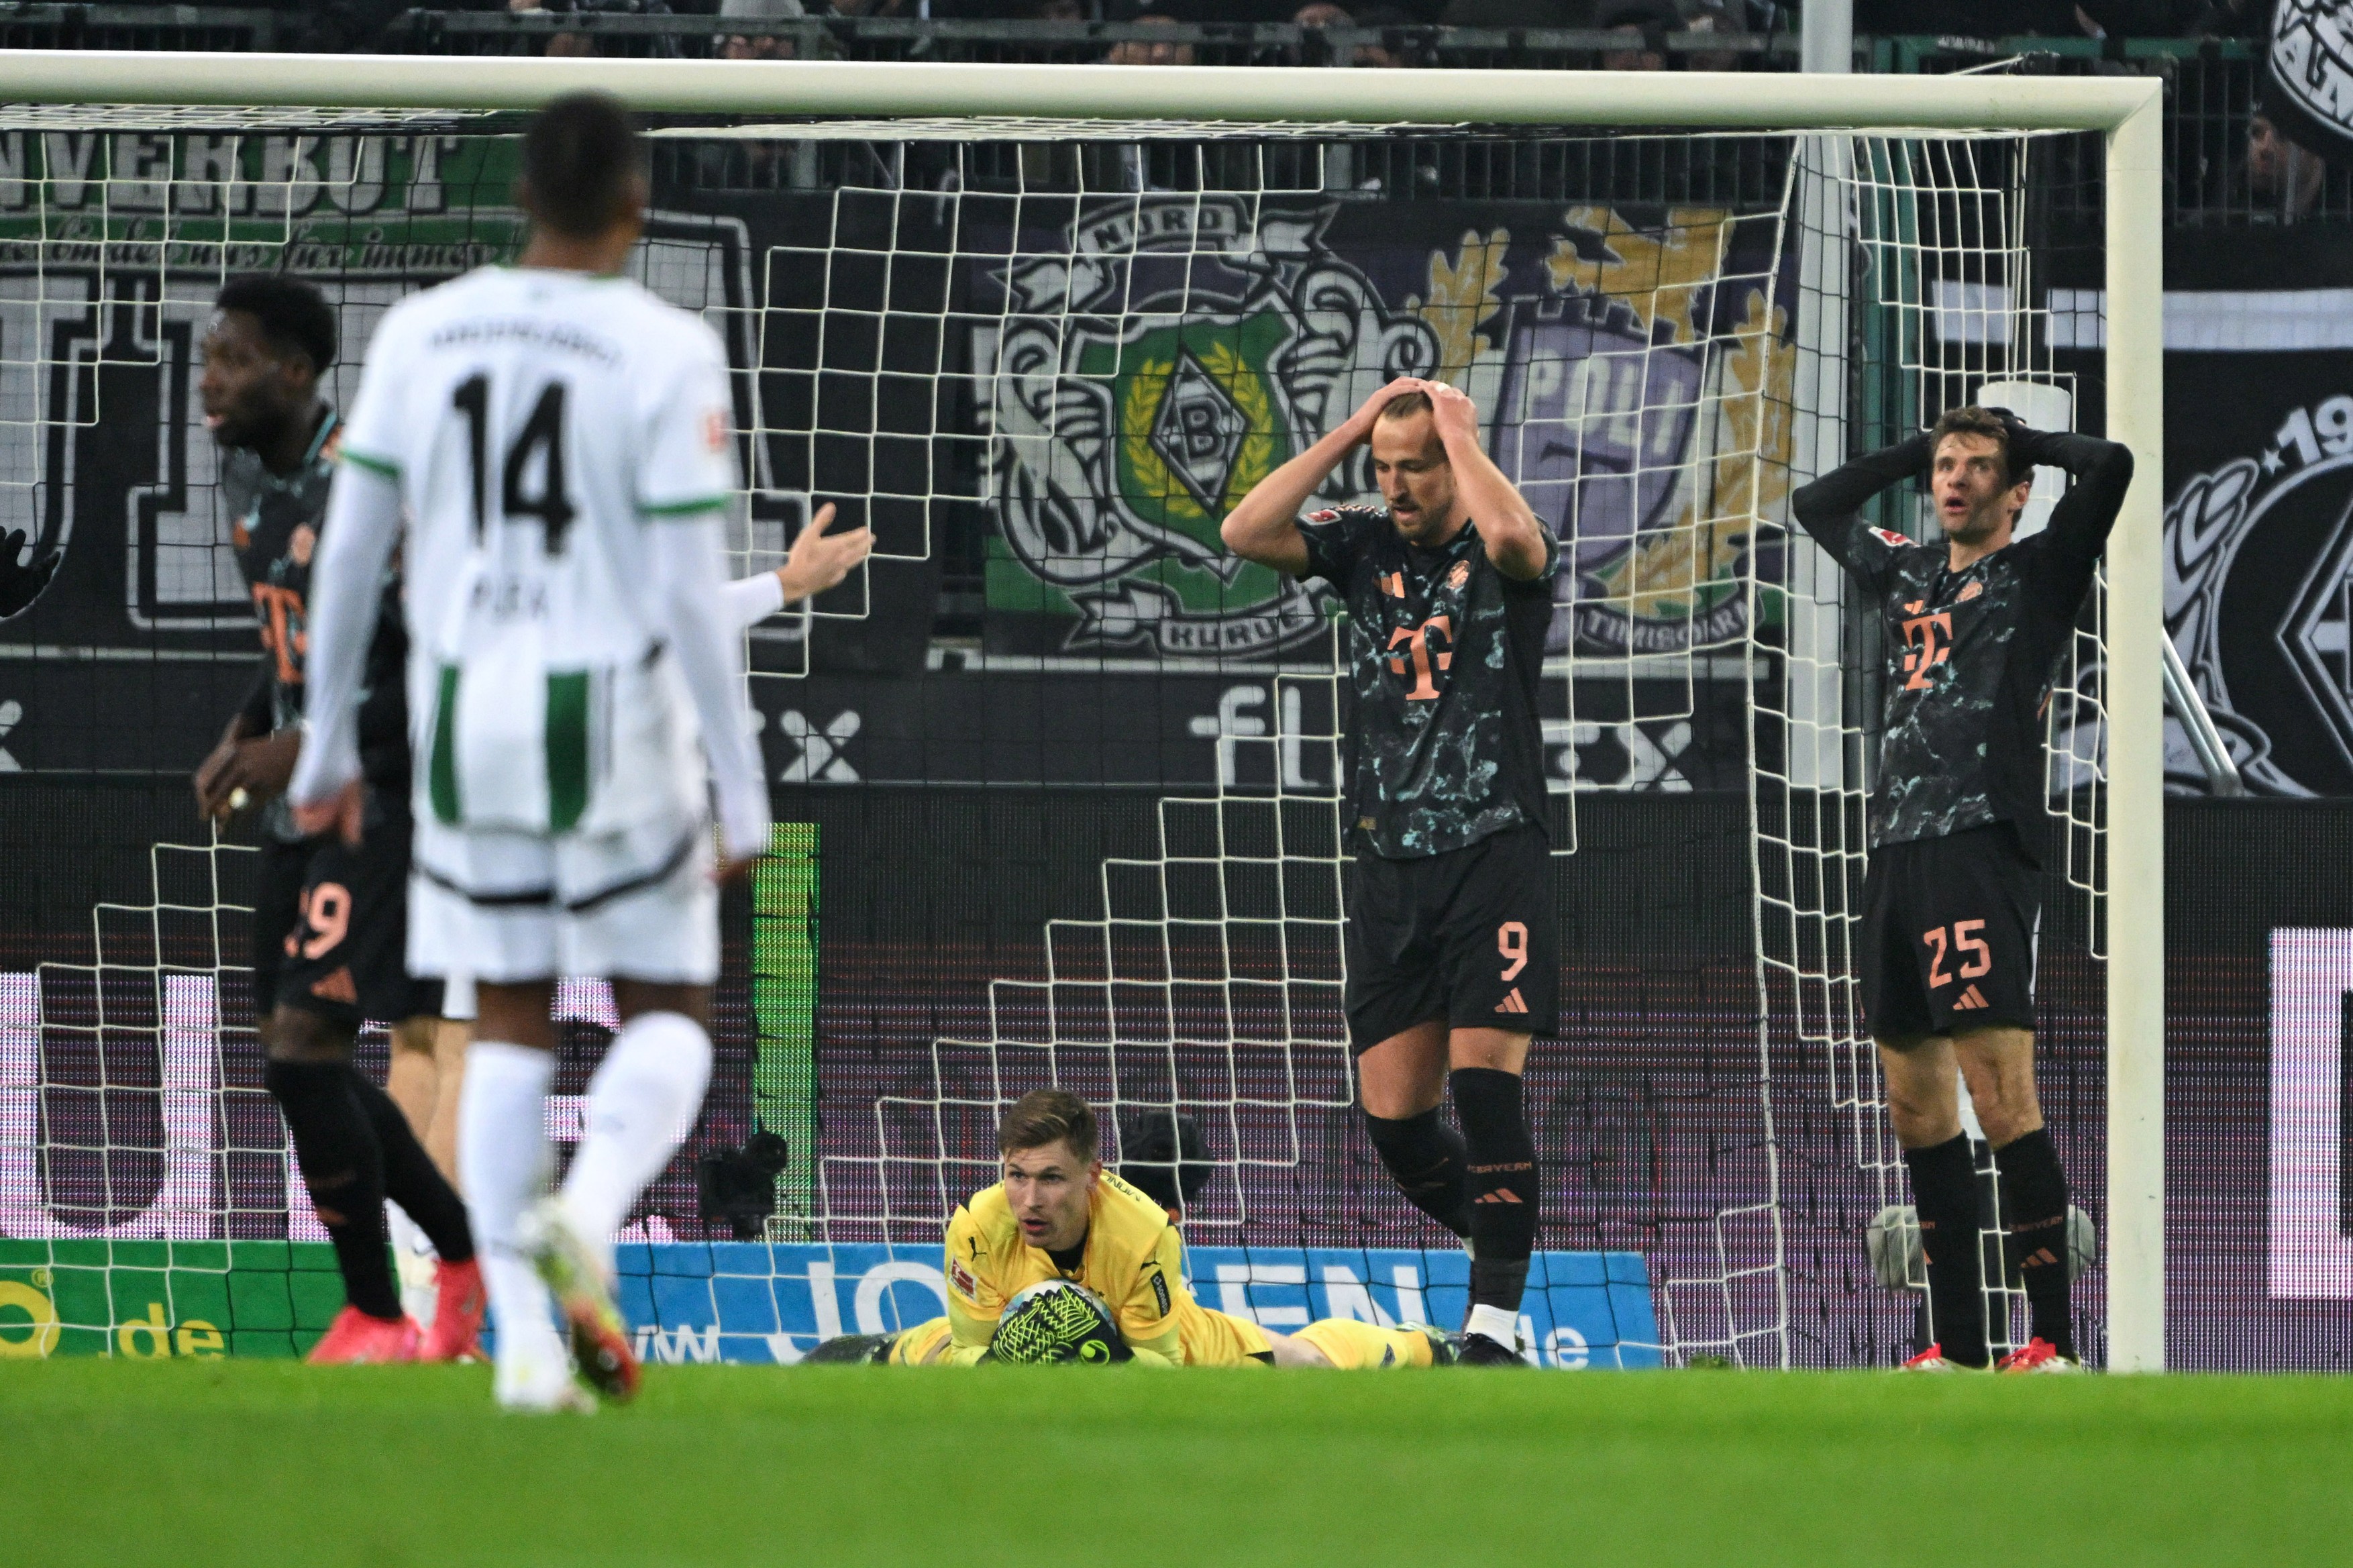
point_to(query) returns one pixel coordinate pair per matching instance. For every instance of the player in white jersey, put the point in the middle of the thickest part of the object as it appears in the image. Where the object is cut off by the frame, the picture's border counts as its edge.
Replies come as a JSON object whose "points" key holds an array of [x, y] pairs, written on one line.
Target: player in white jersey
{"points": [[563, 444]]}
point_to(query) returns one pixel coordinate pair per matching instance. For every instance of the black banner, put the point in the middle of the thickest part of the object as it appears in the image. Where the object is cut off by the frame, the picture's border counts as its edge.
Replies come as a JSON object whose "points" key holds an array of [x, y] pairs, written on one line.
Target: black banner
{"points": [[2259, 522]]}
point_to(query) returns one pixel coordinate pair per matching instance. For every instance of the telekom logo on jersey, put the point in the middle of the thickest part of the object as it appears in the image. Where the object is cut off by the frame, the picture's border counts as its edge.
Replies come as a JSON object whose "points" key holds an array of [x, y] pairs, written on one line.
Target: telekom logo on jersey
{"points": [[1928, 641]]}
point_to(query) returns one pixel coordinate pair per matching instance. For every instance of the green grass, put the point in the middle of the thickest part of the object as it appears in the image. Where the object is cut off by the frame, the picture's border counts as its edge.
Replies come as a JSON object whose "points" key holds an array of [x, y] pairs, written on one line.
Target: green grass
{"points": [[229, 1463]]}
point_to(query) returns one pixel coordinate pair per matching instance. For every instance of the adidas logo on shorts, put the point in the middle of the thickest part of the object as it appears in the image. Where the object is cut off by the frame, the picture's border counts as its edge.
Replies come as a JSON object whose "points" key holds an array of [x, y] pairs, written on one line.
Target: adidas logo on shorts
{"points": [[1512, 1003], [1969, 1000]]}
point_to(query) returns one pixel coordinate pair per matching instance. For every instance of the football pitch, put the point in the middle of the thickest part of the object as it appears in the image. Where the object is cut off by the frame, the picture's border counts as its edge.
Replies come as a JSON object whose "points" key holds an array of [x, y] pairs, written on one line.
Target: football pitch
{"points": [[260, 1462]]}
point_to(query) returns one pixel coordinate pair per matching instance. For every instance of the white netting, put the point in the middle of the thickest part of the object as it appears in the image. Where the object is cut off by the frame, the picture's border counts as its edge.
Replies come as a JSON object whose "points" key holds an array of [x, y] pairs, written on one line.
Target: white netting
{"points": [[1922, 276], [1043, 370]]}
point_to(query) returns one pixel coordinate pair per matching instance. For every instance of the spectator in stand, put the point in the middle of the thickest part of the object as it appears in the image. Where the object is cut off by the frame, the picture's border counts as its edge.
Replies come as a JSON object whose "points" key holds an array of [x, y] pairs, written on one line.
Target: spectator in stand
{"points": [[1372, 56], [2277, 181], [751, 44], [1644, 24], [1381, 56], [1151, 51], [580, 44], [1517, 14], [2228, 19], [1719, 17]]}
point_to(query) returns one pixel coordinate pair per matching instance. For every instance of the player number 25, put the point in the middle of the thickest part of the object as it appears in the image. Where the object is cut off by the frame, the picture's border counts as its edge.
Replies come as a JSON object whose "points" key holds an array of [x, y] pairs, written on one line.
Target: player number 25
{"points": [[1512, 941], [1965, 940], [542, 436]]}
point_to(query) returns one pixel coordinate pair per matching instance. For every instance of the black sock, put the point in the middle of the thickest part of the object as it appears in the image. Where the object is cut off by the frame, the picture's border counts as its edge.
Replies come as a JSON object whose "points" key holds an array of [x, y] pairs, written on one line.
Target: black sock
{"points": [[1506, 1189], [1426, 1157], [411, 1179], [343, 1168], [2034, 1213], [1945, 1191]]}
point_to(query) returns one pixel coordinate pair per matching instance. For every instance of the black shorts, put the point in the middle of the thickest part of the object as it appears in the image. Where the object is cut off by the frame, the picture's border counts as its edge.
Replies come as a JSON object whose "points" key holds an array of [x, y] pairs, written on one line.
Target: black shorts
{"points": [[1947, 942], [1470, 937], [331, 924]]}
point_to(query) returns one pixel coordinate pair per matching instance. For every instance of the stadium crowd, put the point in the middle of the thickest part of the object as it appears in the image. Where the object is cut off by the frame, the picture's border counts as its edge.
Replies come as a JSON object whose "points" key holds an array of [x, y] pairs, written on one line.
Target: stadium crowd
{"points": [[363, 25]]}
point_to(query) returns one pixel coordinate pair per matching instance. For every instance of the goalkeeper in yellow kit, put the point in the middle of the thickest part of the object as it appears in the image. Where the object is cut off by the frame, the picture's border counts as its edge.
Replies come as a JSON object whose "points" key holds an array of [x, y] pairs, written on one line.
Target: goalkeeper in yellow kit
{"points": [[1060, 1215]]}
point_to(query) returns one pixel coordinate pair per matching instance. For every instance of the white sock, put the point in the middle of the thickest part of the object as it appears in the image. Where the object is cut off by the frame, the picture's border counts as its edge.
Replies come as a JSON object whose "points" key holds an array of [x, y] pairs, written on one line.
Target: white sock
{"points": [[642, 1103], [413, 1263], [1498, 1325], [503, 1154]]}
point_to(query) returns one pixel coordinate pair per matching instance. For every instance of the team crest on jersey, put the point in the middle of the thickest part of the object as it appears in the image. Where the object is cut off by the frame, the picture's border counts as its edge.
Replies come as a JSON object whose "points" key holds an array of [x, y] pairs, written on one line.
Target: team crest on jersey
{"points": [[1459, 575], [961, 1280], [1970, 590]]}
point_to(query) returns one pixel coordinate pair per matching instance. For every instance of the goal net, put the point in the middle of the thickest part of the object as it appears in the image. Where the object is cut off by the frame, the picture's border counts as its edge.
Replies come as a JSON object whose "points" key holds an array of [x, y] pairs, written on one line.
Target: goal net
{"points": [[1057, 779]]}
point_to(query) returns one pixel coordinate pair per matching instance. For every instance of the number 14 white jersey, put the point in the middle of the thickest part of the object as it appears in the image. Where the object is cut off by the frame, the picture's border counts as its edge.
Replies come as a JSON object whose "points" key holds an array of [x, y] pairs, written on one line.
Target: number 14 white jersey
{"points": [[564, 449]]}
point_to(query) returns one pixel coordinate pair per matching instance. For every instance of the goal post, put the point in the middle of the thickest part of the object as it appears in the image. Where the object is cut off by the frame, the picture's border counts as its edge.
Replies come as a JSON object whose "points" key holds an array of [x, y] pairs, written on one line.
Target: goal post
{"points": [[2123, 111]]}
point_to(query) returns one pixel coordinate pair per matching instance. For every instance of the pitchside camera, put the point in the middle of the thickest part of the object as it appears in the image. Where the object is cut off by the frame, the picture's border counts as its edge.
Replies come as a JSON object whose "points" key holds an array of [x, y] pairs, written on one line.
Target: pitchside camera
{"points": [[738, 1186]]}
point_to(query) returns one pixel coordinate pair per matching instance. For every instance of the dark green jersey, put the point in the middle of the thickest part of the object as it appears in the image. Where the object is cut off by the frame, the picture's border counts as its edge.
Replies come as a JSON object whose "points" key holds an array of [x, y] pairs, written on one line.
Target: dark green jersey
{"points": [[1444, 654], [1970, 654]]}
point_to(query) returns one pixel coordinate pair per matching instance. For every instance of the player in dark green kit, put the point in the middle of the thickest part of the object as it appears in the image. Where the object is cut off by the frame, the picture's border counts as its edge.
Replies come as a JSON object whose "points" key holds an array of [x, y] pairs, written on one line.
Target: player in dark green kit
{"points": [[1453, 942], [1976, 624]]}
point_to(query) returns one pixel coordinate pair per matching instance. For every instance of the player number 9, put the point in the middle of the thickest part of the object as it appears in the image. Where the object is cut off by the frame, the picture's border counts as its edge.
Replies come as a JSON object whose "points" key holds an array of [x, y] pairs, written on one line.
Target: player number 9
{"points": [[1512, 941]]}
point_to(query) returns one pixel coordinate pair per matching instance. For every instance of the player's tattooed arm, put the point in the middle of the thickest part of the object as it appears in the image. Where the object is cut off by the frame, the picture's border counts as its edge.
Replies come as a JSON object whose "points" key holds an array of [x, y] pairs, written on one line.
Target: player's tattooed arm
{"points": [[1264, 526], [1520, 546]]}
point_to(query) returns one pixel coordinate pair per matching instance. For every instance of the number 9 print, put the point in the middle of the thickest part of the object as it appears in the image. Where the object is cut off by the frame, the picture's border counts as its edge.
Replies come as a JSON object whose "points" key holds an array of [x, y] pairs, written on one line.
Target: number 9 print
{"points": [[1512, 941]]}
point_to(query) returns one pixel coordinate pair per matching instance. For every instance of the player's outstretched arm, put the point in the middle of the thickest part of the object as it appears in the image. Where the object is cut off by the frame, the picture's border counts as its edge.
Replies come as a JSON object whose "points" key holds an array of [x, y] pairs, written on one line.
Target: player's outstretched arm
{"points": [[1518, 544], [690, 608], [1264, 527], [362, 525], [819, 561]]}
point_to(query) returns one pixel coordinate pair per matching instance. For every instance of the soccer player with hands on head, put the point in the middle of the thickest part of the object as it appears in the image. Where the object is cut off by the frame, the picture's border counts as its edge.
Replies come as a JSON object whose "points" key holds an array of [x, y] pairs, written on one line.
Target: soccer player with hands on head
{"points": [[562, 444], [1452, 939], [1976, 624]]}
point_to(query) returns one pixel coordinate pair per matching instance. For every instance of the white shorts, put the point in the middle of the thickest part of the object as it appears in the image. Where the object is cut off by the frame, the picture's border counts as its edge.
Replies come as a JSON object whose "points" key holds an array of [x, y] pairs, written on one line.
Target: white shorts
{"points": [[506, 907]]}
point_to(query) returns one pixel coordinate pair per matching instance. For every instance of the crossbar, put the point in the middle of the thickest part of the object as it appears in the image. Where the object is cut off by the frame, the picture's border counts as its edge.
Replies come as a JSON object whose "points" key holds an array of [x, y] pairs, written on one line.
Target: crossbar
{"points": [[1698, 100]]}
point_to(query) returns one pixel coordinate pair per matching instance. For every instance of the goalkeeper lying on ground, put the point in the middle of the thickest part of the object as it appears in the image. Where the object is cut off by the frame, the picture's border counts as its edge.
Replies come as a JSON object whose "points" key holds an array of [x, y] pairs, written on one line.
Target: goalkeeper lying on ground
{"points": [[1060, 1215]]}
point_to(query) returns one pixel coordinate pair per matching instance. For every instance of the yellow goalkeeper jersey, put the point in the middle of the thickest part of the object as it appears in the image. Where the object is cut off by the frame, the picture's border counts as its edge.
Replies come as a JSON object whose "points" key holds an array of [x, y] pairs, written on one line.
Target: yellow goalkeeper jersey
{"points": [[1132, 1260]]}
